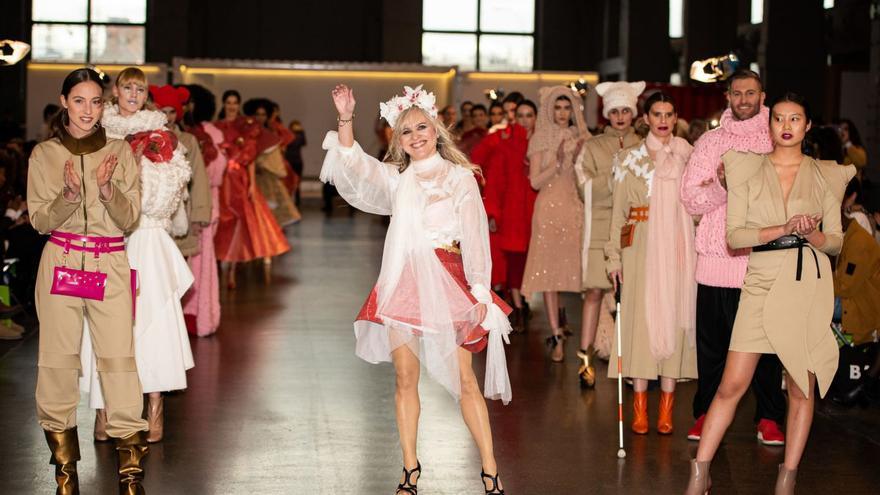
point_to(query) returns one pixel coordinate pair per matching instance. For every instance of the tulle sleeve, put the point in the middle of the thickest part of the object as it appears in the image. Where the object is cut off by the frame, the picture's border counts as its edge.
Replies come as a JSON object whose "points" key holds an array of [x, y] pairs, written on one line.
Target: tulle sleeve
{"points": [[366, 183], [478, 270], [475, 233]]}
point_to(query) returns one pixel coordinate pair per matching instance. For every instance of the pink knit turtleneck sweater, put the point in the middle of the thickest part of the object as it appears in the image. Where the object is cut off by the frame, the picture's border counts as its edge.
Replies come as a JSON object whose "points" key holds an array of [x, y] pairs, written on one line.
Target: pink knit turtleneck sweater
{"points": [[717, 264]]}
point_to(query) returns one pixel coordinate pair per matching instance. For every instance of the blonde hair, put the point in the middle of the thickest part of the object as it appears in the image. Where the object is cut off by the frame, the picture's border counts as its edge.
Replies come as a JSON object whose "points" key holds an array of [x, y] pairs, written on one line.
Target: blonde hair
{"points": [[445, 144], [131, 74]]}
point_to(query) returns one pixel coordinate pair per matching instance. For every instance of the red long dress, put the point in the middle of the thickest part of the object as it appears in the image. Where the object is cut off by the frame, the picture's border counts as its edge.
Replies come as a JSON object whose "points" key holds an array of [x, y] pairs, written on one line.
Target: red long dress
{"points": [[247, 230], [509, 197], [481, 154]]}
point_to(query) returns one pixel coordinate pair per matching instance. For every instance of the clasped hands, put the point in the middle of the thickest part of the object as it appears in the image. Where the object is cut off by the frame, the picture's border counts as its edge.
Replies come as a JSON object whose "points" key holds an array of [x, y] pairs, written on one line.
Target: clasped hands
{"points": [[560, 154], [73, 183], [802, 225]]}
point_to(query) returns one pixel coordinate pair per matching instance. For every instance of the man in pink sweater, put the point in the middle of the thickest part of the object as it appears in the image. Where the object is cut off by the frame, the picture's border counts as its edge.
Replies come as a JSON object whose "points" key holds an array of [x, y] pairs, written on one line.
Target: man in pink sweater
{"points": [[720, 270]]}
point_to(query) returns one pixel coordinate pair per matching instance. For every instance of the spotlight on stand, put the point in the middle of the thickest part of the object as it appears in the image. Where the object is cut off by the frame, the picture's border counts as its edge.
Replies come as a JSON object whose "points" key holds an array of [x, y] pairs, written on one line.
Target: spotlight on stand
{"points": [[11, 52], [494, 94], [714, 69], [581, 87], [103, 75]]}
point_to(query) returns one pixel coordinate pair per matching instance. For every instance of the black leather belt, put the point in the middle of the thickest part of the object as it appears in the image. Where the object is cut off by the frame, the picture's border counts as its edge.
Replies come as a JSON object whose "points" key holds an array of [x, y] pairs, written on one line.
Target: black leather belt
{"points": [[791, 242]]}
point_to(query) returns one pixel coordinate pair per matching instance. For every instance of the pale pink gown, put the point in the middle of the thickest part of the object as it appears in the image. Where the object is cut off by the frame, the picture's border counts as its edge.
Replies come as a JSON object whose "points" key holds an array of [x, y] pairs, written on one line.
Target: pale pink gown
{"points": [[203, 299]]}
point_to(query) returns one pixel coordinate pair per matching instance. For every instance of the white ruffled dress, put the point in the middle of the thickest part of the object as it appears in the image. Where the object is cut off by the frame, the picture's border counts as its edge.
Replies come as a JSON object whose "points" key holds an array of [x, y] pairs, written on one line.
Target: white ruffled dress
{"points": [[162, 349], [421, 298]]}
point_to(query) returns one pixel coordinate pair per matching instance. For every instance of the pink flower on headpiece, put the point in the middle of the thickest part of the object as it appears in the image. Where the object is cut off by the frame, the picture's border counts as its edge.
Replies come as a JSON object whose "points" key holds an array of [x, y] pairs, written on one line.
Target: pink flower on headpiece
{"points": [[391, 109]]}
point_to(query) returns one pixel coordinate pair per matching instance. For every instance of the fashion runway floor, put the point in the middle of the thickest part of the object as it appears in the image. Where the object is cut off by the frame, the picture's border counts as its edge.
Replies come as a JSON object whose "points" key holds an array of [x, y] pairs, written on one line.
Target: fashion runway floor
{"points": [[279, 404]]}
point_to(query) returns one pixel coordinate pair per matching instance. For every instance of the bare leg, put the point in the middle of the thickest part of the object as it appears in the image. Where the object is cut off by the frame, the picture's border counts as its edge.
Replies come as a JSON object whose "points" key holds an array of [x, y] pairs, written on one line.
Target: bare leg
{"points": [[667, 384], [475, 413], [590, 316], [800, 418], [738, 372], [267, 270], [230, 275], [408, 407], [640, 385], [517, 297], [551, 306]]}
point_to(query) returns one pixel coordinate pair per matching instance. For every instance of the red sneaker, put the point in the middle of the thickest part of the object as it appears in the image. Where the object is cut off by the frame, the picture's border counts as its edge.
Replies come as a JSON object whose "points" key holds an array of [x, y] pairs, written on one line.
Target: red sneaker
{"points": [[769, 433], [697, 430]]}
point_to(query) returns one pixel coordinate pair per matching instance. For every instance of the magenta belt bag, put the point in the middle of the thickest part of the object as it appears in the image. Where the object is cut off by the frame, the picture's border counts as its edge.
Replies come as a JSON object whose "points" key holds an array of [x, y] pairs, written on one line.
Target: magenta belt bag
{"points": [[81, 283], [78, 283]]}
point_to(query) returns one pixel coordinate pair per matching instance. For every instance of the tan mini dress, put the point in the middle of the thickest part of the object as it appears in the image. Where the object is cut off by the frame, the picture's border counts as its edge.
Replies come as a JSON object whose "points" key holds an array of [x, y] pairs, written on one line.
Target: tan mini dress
{"points": [[779, 314]]}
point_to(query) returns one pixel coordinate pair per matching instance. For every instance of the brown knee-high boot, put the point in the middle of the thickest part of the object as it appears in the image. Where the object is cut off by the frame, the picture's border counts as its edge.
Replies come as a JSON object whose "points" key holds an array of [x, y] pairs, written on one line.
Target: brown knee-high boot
{"points": [[131, 451], [65, 452]]}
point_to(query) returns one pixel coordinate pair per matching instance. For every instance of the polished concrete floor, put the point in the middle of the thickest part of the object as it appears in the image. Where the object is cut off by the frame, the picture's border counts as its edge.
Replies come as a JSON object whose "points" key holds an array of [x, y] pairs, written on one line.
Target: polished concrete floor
{"points": [[279, 404]]}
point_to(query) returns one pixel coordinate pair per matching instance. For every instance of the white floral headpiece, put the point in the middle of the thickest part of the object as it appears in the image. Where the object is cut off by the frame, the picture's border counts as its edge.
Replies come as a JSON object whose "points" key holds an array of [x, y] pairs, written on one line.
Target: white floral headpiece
{"points": [[391, 109]]}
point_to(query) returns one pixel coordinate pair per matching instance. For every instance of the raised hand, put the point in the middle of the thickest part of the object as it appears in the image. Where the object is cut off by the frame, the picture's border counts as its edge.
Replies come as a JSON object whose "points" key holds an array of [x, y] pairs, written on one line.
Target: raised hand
{"points": [[343, 99], [72, 183], [560, 155], [105, 173]]}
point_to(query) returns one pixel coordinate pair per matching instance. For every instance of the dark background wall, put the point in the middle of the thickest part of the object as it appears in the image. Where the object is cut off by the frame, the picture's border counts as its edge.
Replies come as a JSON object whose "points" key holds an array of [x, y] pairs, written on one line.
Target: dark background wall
{"points": [[618, 38]]}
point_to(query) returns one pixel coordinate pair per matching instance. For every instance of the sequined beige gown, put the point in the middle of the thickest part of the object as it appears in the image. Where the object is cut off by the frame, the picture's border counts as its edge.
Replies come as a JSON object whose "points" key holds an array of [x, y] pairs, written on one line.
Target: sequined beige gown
{"points": [[554, 259]]}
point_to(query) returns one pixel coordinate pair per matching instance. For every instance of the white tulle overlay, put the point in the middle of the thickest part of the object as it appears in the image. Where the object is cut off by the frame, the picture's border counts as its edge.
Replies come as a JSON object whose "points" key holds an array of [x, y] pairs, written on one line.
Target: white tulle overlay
{"points": [[162, 348], [432, 204]]}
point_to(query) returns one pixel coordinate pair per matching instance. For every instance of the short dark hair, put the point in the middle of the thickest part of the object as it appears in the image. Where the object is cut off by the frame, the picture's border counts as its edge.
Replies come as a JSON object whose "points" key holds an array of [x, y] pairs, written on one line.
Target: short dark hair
{"points": [[744, 74], [479, 106], [494, 104], [795, 98], [49, 111], [465, 102], [854, 136], [528, 103], [204, 105], [658, 97], [515, 97]]}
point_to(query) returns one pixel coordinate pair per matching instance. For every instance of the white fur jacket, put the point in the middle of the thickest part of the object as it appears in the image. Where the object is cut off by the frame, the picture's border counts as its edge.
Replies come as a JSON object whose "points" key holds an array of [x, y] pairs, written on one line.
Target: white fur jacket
{"points": [[163, 184]]}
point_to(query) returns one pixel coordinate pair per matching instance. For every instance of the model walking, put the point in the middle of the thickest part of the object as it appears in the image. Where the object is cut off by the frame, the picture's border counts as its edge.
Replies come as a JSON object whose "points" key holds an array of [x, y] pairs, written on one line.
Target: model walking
{"points": [[83, 190], [775, 205], [432, 302], [651, 252], [161, 340], [554, 260]]}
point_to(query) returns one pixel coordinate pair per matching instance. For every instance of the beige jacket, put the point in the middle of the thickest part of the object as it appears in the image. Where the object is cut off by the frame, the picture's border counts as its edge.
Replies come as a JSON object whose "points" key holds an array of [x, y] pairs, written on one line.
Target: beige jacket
{"points": [[198, 206], [90, 215]]}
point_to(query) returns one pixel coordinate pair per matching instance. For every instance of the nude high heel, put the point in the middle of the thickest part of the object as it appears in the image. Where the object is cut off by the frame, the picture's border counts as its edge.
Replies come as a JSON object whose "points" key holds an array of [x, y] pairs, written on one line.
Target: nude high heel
{"points": [[700, 482], [156, 419], [785, 481]]}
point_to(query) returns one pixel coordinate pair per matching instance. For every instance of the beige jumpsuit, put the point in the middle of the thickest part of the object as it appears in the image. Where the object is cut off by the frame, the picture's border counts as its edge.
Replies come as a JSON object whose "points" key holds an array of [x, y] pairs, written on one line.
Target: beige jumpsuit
{"points": [[61, 317]]}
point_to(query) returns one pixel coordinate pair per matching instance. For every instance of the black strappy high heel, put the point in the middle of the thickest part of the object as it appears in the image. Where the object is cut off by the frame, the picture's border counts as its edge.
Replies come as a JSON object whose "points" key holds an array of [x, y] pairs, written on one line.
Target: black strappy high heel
{"points": [[494, 479], [408, 486]]}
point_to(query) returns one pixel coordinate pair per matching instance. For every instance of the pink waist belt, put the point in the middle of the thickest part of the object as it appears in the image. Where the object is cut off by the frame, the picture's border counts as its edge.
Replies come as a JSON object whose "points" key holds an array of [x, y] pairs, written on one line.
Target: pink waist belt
{"points": [[98, 244]]}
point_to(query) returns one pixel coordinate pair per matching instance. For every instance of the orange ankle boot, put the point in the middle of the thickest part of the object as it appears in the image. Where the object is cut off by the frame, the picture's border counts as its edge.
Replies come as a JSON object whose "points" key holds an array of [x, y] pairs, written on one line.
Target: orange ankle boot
{"points": [[664, 421], [640, 413]]}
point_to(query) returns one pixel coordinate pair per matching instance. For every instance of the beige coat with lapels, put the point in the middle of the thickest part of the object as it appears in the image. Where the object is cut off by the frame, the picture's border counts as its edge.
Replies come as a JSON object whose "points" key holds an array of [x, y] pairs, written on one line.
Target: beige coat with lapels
{"points": [[779, 314]]}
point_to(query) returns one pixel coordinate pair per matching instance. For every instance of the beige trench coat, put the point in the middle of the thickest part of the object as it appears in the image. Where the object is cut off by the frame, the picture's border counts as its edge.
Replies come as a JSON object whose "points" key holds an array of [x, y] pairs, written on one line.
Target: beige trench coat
{"points": [[638, 362], [595, 166], [778, 314]]}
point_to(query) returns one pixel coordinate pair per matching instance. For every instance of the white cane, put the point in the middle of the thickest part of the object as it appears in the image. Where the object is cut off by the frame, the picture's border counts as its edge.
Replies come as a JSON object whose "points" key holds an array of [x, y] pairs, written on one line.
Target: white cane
{"points": [[621, 453]]}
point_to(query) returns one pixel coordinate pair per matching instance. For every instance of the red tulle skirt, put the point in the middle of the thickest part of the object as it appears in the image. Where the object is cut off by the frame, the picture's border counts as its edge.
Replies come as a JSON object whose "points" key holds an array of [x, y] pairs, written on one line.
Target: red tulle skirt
{"points": [[476, 337], [246, 230]]}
